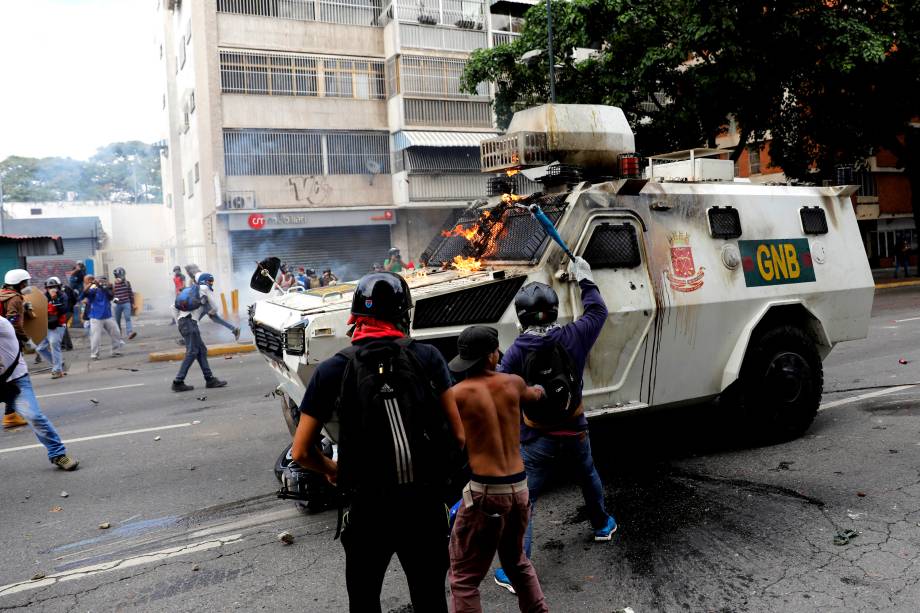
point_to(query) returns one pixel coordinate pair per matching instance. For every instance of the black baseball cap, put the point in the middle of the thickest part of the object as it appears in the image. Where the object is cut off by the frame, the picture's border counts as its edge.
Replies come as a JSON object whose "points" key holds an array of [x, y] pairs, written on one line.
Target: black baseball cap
{"points": [[473, 346]]}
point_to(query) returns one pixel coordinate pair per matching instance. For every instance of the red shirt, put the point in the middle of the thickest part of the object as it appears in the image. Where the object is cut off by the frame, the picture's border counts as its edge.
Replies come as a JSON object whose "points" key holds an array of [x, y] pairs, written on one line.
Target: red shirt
{"points": [[179, 282]]}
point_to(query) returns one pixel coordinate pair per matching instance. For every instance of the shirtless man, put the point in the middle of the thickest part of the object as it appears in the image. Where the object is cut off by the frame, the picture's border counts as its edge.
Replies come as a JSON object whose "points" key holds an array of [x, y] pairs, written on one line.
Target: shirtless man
{"points": [[495, 509]]}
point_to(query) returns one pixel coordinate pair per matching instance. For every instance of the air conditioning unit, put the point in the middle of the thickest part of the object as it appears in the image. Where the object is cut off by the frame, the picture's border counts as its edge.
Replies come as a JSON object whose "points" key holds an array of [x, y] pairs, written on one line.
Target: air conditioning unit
{"points": [[239, 201]]}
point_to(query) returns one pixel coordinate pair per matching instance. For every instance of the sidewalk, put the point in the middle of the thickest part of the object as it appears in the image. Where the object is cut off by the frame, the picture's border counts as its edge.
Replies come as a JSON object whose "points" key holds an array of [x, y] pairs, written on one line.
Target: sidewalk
{"points": [[885, 279]]}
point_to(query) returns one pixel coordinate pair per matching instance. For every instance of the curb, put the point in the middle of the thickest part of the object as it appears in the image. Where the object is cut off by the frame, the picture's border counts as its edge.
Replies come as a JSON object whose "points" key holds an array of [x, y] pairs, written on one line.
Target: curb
{"points": [[222, 349], [894, 284]]}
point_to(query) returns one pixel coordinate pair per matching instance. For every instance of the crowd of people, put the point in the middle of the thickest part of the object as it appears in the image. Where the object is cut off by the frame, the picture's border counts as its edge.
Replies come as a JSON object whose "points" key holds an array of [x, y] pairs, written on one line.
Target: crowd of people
{"points": [[407, 420]]}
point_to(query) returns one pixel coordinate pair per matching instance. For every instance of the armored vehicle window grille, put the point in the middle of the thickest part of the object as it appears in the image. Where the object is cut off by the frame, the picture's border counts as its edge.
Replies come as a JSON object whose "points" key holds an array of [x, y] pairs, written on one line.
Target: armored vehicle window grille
{"points": [[523, 238], [268, 341], [482, 304], [814, 220], [724, 222], [613, 246], [502, 184]]}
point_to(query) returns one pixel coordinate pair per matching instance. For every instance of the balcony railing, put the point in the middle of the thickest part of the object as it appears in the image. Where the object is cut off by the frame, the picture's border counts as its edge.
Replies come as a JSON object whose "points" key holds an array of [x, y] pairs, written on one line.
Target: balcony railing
{"points": [[443, 38], [447, 113], [348, 12], [437, 77], [463, 14], [447, 187], [503, 38]]}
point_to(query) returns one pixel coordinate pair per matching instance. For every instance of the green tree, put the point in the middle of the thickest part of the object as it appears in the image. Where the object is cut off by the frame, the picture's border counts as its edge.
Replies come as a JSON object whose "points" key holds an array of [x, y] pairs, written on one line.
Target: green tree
{"points": [[680, 69], [119, 172]]}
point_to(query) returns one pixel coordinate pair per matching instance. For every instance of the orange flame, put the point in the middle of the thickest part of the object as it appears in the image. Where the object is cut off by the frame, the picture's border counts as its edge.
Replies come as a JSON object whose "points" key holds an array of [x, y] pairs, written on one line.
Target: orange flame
{"points": [[467, 233], [511, 198], [512, 171], [467, 264]]}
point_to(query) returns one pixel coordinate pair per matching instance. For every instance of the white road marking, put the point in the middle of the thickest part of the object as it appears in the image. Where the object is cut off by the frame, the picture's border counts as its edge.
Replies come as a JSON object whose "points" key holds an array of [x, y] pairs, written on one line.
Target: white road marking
{"points": [[900, 321], [95, 569], [851, 399], [98, 389], [98, 436]]}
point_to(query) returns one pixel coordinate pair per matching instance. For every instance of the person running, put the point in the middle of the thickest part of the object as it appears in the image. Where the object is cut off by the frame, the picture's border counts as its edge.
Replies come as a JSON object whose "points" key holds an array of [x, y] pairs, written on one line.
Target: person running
{"points": [[16, 389], [58, 308], [208, 299], [124, 303], [15, 310], [191, 305], [98, 298], [547, 445], [495, 509], [398, 423]]}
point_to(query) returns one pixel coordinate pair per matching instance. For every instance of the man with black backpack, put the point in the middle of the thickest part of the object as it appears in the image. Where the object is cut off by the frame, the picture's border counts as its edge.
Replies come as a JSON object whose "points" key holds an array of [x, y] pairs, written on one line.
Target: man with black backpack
{"points": [[555, 431], [399, 440]]}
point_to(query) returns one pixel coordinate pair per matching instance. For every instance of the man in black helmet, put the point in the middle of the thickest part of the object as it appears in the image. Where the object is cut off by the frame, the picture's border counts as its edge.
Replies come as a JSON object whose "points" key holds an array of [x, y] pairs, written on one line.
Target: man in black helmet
{"points": [[398, 425], [550, 442]]}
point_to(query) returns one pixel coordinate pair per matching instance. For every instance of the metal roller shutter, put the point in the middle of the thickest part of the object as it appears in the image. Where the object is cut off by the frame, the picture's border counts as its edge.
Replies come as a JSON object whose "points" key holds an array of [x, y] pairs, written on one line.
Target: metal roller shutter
{"points": [[349, 252]]}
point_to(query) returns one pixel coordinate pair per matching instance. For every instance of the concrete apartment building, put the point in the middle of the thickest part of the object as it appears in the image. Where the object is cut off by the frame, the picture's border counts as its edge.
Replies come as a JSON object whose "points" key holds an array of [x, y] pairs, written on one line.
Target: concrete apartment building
{"points": [[321, 131]]}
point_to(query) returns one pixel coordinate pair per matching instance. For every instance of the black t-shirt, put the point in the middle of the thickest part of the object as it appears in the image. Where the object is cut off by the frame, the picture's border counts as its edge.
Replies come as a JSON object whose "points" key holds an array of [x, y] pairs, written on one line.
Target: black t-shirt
{"points": [[326, 382]]}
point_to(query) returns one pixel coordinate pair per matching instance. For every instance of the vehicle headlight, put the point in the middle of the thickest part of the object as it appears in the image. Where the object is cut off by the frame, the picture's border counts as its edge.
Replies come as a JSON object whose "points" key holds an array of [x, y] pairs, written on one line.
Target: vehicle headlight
{"points": [[295, 342]]}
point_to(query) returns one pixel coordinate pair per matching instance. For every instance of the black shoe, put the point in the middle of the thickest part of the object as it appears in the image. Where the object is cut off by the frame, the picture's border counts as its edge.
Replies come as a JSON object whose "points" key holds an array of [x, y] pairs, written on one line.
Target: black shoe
{"points": [[181, 386], [215, 382]]}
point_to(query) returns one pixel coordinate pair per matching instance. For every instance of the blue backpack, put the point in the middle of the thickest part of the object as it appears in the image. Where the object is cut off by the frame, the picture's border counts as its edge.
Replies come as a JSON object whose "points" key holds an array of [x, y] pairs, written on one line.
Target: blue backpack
{"points": [[189, 299]]}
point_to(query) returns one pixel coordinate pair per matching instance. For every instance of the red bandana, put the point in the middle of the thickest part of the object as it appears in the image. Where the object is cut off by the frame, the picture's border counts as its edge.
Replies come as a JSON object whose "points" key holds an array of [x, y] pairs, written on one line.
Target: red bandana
{"points": [[368, 327]]}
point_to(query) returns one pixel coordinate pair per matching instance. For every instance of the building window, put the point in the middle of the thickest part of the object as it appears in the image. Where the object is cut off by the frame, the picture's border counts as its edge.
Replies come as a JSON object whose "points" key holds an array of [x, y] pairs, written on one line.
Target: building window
{"points": [[349, 12], [754, 158], [459, 113], [305, 152], [300, 74], [430, 76], [867, 185]]}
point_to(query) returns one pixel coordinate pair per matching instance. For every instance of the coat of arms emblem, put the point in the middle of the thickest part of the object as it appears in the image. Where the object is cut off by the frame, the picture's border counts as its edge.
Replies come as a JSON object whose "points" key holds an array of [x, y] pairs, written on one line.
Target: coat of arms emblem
{"points": [[684, 276]]}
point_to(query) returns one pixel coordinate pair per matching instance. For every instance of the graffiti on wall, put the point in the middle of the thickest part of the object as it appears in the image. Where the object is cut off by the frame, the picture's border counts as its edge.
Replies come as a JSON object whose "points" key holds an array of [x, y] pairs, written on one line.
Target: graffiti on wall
{"points": [[311, 189]]}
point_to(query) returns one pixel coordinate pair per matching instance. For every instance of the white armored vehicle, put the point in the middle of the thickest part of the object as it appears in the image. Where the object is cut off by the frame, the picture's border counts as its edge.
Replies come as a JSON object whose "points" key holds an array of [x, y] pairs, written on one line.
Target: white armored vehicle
{"points": [[715, 287]]}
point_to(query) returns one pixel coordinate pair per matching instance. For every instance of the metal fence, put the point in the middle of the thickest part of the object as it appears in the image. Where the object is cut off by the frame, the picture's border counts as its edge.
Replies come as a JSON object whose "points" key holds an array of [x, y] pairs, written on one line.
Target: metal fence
{"points": [[301, 74], [429, 76], [447, 187], [442, 38], [466, 14], [461, 113], [348, 12], [503, 38], [305, 152]]}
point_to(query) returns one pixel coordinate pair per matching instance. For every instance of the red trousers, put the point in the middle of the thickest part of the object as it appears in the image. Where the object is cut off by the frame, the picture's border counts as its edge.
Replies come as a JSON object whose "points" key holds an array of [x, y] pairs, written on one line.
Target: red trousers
{"points": [[488, 523]]}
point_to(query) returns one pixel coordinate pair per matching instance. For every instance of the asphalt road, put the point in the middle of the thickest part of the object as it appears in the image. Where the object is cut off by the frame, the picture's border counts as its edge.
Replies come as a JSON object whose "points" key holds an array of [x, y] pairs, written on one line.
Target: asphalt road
{"points": [[705, 525]]}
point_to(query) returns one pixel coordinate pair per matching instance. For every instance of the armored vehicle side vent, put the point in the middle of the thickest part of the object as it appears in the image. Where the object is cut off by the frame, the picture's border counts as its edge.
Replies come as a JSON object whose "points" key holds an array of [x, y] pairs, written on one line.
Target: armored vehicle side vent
{"points": [[613, 246], [561, 174], [724, 222], [814, 220], [482, 304]]}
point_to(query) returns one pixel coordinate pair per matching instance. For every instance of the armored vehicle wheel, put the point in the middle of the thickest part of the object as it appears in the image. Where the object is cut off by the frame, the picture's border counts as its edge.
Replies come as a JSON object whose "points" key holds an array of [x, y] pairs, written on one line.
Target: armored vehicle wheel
{"points": [[780, 385]]}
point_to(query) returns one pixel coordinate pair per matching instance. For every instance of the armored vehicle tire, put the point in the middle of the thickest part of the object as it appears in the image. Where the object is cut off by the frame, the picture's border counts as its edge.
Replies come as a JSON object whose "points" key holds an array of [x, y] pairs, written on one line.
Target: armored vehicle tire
{"points": [[780, 385]]}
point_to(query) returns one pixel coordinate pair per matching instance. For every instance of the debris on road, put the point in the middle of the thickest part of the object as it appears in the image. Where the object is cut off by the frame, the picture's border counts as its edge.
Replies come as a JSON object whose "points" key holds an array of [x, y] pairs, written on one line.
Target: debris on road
{"points": [[843, 537], [38, 576], [128, 369], [202, 398], [94, 401], [192, 467], [196, 422], [56, 509], [286, 537], [156, 438], [902, 361], [105, 525], [196, 567], [228, 357], [64, 494], [861, 494]]}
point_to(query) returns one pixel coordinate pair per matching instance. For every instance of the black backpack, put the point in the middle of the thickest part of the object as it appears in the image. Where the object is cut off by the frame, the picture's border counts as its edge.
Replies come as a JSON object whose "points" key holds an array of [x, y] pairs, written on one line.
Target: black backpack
{"points": [[392, 429], [552, 368]]}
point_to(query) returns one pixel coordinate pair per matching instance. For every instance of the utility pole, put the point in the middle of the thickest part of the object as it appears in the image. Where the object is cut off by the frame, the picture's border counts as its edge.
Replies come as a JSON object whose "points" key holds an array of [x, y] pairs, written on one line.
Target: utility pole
{"points": [[552, 60]]}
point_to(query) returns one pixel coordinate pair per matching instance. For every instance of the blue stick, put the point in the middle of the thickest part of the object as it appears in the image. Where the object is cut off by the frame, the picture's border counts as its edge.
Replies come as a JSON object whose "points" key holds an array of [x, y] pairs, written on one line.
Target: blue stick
{"points": [[537, 212]]}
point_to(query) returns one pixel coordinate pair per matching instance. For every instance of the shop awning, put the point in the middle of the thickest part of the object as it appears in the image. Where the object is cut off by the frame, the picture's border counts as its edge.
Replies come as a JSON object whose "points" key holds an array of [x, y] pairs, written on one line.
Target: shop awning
{"points": [[35, 245], [405, 139]]}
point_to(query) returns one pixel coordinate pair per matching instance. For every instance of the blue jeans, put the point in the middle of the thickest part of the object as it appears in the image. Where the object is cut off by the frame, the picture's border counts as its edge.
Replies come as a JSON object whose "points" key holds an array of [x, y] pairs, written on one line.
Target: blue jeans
{"points": [[27, 405], [541, 455], [123, 309], [220, 320], [195, 349], [50, 348]]}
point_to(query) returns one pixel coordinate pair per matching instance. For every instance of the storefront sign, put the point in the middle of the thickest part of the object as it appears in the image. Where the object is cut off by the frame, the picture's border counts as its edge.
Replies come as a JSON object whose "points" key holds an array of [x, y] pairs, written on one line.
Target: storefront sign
{"points": [[309, 219]]}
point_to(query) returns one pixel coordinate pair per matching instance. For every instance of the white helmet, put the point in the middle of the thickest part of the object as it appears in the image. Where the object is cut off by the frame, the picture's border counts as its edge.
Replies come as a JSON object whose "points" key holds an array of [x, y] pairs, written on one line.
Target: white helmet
{"points": [[52, 282], [16, 276]]}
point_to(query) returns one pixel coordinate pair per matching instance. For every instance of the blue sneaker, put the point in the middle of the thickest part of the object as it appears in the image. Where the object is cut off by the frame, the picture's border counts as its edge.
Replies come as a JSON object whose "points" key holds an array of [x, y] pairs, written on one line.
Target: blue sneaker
{"points": [[606, 533], [502, 580]]}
